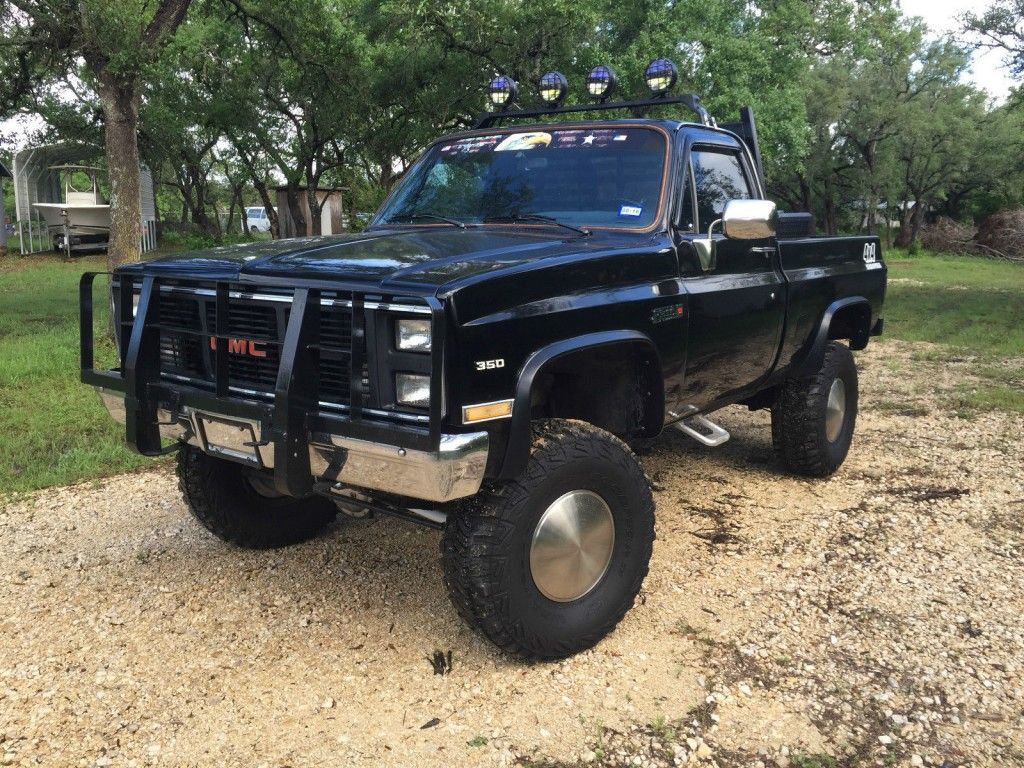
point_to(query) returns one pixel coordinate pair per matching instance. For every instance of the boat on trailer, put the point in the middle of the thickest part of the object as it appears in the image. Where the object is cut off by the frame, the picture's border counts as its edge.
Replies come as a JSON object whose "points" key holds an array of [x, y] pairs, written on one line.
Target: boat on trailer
{"points": [[82, 221]]}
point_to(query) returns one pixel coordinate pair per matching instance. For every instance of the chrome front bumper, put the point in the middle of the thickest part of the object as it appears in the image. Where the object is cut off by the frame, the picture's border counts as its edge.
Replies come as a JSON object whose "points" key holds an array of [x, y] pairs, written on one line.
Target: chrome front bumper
{"points": [[454, 471]]}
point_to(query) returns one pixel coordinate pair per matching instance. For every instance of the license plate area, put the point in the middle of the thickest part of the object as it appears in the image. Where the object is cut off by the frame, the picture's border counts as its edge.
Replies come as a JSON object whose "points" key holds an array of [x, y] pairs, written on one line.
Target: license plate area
{"points": [[228, 438]]}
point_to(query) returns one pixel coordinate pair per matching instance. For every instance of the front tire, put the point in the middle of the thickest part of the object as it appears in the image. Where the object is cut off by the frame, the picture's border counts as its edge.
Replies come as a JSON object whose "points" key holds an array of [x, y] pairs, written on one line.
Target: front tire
{"points": [[814, 417], [549, 563], [238, 506]]}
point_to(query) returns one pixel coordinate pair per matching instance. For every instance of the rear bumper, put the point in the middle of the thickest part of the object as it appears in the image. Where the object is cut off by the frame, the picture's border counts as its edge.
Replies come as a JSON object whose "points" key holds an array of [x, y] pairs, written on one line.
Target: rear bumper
{"points": [[453, 471]]}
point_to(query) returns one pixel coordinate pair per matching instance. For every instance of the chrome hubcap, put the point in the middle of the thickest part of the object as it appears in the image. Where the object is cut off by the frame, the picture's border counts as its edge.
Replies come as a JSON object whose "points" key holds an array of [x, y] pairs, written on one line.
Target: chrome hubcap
{"points": [[835, 411], [572, 546]]}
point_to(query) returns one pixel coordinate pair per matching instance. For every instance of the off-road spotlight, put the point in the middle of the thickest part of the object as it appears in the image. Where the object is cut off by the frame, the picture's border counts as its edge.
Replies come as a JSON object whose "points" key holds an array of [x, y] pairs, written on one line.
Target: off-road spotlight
{"points": [[601, 82], [553, 87], [661, 75], [502, 91]]}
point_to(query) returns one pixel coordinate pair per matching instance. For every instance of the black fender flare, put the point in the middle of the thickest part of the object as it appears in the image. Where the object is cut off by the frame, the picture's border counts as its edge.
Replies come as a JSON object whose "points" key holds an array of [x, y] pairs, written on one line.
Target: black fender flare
{"points": [[816, 351], [517, 450]]}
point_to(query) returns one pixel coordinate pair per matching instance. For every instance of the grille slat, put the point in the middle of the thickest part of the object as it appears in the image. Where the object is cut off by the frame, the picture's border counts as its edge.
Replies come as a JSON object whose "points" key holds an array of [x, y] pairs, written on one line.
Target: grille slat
{"points": [[187, 323]]}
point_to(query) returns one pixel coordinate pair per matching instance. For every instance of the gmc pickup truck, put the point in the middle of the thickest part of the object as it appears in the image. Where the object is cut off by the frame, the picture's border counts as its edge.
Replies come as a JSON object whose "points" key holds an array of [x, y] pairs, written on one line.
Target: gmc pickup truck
{"points": [[532, 299]]}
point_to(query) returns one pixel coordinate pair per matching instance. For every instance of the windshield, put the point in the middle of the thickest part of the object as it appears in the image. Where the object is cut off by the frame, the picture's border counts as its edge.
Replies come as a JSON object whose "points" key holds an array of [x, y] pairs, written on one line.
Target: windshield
{"points": [[587, 177]]}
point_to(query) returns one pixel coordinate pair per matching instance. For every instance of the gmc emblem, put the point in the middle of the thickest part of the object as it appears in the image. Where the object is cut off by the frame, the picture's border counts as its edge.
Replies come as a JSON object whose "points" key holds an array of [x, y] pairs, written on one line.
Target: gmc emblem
{"points": [[242, 347]]}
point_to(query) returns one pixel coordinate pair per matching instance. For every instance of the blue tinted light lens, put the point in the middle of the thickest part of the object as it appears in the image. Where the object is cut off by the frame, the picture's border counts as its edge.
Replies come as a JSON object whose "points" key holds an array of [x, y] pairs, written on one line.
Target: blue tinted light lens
{"points": [[553, 87], [661, 75], [601, 81], [502, 91]]}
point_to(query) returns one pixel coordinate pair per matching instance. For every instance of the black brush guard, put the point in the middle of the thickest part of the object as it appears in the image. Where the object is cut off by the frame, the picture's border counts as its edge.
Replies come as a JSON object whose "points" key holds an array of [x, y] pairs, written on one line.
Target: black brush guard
{"points": [[295, 413]]}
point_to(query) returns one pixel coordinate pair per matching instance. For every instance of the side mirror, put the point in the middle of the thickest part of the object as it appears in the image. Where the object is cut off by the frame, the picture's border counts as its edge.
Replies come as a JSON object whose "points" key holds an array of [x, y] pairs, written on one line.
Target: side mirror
{"points": [[749, 219], [741, 220]]}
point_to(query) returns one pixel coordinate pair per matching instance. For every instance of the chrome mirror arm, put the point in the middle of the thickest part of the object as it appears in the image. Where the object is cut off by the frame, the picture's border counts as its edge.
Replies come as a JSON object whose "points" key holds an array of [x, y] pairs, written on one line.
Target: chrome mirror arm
{"points": [[705, 247]]}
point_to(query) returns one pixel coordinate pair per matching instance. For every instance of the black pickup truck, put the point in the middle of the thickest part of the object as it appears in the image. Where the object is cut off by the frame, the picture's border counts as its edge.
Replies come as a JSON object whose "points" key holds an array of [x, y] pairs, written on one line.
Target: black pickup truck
{"points": [[530, 301]]}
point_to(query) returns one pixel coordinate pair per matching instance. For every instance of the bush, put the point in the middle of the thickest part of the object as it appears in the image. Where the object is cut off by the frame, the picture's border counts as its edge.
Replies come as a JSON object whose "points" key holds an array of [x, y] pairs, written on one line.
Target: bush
{"points": [[195, 241], [944, 235], [1002, 234]]}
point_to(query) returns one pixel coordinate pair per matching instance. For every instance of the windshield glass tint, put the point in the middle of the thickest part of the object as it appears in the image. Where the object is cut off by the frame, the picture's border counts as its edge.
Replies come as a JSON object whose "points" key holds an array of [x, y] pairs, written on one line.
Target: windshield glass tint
{"points": [[598, 177]]}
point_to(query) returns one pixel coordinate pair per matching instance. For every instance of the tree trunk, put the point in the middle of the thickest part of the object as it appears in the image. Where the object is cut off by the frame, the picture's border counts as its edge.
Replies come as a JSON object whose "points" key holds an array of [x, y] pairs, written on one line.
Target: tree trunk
{"points": [[831, 218], [917, 220], [295, 209], [120, 101], [315, 209], [906, 235], [268, 205], [805, 195], [231, 211]]}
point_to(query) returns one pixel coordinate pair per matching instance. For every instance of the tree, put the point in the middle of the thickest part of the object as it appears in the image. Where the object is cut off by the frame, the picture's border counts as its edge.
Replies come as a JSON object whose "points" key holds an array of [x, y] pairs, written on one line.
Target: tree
{"points": [[939, 133], [119, 41], [1001, 26]]}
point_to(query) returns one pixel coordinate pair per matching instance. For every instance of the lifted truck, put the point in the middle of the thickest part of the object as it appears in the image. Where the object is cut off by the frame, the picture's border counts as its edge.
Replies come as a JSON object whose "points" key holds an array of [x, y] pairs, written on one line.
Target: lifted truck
{"points": [[529, 301]]}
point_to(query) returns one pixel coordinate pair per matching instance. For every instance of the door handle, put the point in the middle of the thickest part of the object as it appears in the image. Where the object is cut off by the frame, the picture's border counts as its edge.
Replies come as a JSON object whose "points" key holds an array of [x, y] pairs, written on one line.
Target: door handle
{"points": [[767, 250]]}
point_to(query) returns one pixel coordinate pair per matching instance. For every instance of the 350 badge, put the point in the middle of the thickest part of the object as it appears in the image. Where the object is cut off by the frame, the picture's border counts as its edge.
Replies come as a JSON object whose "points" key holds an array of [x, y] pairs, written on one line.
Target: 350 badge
{"points": [[490, 365]]}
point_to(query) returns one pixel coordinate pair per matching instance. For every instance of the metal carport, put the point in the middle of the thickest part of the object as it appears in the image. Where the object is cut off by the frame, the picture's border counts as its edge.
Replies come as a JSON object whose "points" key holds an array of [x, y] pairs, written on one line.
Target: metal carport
{"points": [[35, 182]]}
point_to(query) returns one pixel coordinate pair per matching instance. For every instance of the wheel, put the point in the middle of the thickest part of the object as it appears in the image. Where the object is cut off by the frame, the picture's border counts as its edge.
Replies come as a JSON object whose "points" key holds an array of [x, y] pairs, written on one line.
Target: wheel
{"points": [[547, 564], [813, 417], [239, 506], [253, 230]]}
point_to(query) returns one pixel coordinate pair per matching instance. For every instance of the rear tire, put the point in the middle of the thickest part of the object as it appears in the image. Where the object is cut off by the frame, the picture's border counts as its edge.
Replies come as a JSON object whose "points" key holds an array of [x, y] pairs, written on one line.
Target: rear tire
{"points": [[814, 417], [549, 563], [228, 501]]}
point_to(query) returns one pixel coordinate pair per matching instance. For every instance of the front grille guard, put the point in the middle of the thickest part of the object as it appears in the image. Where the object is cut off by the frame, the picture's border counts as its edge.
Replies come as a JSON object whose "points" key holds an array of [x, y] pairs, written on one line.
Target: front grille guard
{"points": [[295, 412]]}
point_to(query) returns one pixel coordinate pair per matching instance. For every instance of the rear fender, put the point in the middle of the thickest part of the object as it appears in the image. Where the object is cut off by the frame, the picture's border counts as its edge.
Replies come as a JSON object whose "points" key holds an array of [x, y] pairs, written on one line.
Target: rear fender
{"points": [[848, 318]]}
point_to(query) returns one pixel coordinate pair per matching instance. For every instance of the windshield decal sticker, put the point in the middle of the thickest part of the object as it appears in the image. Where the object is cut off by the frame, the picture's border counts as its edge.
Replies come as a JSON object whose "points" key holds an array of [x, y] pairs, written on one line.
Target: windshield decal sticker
{"points": [[472, 144], [519, 141], [630, 210]]}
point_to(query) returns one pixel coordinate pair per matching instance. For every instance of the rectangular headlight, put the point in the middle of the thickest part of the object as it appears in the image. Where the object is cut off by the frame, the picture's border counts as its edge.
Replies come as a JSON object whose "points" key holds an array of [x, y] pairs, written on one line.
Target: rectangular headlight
{"points": [[412, 335], [412, 389]]}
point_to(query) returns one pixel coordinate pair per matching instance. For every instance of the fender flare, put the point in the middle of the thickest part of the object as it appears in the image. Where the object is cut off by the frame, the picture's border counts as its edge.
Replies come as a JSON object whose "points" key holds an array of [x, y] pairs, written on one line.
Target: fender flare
{"points": [[816, 352], [517, 450]]}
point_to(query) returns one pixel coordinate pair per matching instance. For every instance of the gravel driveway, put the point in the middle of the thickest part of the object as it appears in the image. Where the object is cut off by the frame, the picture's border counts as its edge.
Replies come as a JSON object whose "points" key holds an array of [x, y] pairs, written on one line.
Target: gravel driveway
{"points": [[875, 617]]}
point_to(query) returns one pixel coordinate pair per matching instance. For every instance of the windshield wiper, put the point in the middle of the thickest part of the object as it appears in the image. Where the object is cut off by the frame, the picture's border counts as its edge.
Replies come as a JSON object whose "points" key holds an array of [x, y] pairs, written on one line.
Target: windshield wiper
{"points": [[536, 217], [432, 217]]}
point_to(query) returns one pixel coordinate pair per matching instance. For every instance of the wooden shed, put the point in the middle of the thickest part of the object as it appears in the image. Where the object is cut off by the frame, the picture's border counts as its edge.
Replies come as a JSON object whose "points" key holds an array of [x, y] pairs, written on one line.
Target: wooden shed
{"points": [[331, 221]]}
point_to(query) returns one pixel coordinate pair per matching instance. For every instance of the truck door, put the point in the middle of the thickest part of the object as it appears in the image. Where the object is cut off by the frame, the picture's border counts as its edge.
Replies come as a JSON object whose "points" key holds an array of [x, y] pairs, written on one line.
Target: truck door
{"points": [[737, 308]]}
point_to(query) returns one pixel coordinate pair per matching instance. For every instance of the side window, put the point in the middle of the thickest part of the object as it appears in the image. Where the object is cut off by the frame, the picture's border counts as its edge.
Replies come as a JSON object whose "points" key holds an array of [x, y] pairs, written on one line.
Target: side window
{"points": [[686, 207], [719, 178]]}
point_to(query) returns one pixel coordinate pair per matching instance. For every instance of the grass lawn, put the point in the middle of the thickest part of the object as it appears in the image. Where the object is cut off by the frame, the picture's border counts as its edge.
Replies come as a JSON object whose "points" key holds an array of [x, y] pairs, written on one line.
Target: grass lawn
{"points": [[974, 307], [54, 431]]}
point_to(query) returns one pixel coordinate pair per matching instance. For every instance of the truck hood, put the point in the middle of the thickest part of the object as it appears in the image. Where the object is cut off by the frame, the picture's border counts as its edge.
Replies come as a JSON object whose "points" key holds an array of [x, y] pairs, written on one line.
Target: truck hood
{"points": [[425, 257]]}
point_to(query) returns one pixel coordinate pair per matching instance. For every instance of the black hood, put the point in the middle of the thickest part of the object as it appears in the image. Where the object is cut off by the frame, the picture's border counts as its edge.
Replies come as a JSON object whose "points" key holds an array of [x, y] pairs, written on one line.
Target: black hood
{"points": [[420, 257]]}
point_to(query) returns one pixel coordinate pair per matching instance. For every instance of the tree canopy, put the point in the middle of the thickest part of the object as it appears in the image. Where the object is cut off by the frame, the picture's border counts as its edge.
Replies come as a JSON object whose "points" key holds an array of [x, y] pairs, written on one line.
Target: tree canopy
{"points": [[859, 108]]}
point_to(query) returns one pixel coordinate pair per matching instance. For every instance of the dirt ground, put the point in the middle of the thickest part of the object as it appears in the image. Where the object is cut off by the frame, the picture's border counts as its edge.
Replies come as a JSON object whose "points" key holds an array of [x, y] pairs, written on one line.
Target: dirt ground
{"points": [[875, 617]]}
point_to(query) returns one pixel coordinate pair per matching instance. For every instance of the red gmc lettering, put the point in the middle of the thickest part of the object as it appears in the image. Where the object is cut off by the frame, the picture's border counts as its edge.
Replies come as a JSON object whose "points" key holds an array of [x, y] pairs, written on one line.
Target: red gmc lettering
{"points": [[242, 347]]}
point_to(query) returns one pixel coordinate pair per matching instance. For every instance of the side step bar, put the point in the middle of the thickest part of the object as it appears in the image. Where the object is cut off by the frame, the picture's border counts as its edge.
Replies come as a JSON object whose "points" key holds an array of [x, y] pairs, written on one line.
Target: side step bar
{"points": [[703, 430]]}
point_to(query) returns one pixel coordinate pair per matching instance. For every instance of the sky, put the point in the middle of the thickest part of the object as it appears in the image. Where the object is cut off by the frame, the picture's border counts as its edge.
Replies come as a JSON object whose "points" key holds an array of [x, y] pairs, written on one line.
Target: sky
{"points": [[942, 16]]}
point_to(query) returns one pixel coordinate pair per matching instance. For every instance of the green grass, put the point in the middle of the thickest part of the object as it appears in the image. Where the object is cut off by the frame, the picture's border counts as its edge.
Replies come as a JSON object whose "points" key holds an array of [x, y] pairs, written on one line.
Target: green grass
{"points": [[968, 302], [972, 306], [53, 429]]}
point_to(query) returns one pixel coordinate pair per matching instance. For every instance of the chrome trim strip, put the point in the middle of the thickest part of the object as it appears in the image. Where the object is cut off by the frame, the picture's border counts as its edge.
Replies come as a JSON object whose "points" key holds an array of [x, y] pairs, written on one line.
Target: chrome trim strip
{"points": [[285, 299]]}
